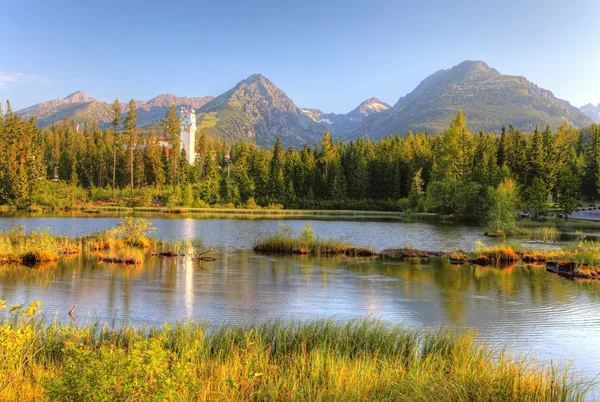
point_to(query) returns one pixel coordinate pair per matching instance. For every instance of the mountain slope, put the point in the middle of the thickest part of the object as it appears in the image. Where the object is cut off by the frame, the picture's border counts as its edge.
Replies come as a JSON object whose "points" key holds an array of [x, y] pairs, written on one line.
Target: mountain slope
{"points": [[255, 109], [84, 109], [156, 108], [488, 98], [342, 124], [78, 106], [591, 111]]}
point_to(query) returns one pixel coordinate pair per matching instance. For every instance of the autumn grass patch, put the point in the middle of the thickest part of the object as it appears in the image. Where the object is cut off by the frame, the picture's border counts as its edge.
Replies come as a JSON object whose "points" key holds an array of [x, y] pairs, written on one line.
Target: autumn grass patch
{"points": [[571, 224], [314, 360], [283, 241], [35, 247]]}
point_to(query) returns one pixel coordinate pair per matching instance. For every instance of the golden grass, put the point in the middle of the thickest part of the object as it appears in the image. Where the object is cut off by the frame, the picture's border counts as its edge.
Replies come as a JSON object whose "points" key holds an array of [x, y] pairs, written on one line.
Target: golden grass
{"points": [[296, 361]]}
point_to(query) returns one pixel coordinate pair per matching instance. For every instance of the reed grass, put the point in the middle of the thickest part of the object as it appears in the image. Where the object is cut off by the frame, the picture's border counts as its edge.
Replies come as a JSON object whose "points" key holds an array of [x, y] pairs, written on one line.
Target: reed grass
{"points": [[34, 247], [178, 247], [283, 241], [314, 360], [264, 213]]}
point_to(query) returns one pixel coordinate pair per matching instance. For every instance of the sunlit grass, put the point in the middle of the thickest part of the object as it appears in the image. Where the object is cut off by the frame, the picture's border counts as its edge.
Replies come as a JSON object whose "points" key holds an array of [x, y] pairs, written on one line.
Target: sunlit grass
{"points": [[315, 360], [283, 241], [35, 247]]}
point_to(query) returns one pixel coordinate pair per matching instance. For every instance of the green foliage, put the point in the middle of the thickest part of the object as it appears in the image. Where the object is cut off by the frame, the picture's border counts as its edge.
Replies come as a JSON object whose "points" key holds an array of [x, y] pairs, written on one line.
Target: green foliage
{"points": [[461, 199], [307, 233], [503, 211], [134, 231], [447, 174], [313, 360]]}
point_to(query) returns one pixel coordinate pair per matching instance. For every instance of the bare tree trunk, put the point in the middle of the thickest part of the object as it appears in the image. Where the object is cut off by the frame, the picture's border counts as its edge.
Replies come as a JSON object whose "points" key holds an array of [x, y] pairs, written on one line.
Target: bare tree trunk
{"points": [[131, 167], [114, 166], [174, 172]]}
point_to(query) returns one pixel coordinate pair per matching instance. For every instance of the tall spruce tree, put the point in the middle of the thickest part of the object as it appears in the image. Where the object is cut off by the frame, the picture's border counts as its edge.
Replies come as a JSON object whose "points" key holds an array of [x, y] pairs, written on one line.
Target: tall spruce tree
{"points": [[116, 123], [131, 132], [172, 126]]}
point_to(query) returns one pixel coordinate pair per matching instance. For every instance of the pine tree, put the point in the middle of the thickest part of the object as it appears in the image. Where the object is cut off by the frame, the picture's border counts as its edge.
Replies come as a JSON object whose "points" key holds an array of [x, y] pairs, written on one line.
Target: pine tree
{"points": [[276, 179], [172, 127], [131, 132], [453, 159], [416, 189], [569, 184], [116, 122]]}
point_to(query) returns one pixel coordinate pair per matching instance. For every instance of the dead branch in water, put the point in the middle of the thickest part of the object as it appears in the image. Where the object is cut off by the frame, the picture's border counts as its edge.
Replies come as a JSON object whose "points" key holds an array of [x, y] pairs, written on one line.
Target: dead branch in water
{"points": [[71, 313]]}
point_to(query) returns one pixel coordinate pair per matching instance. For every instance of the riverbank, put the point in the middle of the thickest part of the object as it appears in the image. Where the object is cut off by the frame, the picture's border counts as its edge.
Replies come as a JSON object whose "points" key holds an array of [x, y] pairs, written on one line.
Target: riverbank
{"points": [[313, 360]]}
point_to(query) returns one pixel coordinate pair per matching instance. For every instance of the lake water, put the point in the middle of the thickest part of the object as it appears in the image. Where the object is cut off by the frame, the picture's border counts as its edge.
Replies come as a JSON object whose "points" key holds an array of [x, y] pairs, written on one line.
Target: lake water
{"points": [[241, 234], [523, 307]]}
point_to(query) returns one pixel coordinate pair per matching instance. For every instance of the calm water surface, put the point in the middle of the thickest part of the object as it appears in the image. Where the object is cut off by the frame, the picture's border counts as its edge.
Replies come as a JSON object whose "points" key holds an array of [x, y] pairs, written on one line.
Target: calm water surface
{"points": [[523, 307], [242, 233]]}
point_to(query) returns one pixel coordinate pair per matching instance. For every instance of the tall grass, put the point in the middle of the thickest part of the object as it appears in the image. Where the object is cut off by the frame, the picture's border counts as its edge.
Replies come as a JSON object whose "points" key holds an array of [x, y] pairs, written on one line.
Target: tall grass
{"points": [[179, 247], [283, 241], [34, 247], [315, 360]]}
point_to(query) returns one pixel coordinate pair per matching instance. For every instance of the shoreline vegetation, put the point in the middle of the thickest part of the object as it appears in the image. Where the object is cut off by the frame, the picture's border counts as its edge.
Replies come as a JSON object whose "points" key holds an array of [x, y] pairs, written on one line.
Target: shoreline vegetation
{"points": [[539, 229], [277, 360], [128, 243], [283, 242], [576, 260], [470, 177], [240, 213]]}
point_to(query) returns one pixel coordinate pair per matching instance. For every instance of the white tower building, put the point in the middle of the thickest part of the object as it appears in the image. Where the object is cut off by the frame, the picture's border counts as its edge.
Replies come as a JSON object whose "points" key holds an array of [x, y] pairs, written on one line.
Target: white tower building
{"points": [[188, 133]]}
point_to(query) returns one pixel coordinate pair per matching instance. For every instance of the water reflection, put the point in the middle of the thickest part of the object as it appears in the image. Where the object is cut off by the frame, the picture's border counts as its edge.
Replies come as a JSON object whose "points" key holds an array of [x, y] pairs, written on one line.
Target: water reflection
{"points": [[522, 306], [241, 234]]}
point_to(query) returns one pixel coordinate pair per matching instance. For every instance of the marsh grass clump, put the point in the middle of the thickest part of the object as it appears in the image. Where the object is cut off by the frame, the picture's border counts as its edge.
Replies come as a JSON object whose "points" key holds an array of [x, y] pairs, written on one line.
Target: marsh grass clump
{"points": [[129, 233], [125, 255], [283, 241], [174, 248], [35, 247], [314, 360], [497, 255], [545, 233]]}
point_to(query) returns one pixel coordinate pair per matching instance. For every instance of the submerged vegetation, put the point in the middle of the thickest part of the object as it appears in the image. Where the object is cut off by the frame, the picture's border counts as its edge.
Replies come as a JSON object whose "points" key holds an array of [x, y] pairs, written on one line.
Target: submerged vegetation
{"points": [[315, 360], [283, 241]]}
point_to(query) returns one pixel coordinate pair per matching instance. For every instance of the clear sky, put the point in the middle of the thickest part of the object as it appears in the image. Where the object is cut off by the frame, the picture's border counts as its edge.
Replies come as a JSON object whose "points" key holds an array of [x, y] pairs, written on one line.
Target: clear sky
{"points": [[324, 54]]}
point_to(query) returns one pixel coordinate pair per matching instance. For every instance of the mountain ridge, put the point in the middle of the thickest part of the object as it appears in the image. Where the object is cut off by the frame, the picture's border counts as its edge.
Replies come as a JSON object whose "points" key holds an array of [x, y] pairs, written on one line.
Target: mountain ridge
{"points": [[84, 109], [256, 110], [593, 112], [488, 99], [342, 124]]}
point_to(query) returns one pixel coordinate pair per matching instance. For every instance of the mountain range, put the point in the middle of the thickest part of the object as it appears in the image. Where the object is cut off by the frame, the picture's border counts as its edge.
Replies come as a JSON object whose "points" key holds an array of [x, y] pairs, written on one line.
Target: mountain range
{"points": [[85, 109], [258, 111], [593, 112], [344, 123], [489, 100]]}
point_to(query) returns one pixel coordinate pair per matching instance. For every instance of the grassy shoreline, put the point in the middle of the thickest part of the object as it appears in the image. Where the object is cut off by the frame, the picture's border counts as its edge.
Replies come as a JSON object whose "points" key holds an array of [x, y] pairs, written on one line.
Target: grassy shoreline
{"points": [[128, 244], [314, 360], [241, 213]]}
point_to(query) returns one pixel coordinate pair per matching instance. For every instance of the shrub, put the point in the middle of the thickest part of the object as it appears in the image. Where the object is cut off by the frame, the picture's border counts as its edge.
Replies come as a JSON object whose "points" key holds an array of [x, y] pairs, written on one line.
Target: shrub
{"points": [[134, 231]]}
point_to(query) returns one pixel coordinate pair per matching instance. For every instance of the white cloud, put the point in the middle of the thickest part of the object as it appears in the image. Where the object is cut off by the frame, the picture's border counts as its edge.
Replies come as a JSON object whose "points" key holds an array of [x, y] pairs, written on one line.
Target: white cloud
{"points": [[20, 78]]}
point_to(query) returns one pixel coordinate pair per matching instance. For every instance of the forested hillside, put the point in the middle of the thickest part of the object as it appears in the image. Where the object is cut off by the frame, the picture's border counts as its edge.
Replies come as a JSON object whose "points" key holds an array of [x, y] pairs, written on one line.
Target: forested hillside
{"points": [[452, 173]]}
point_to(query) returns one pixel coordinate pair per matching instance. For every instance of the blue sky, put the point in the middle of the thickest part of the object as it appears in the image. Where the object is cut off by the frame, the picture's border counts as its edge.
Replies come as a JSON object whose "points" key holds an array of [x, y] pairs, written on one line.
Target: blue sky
{"points": [[329, 55]]}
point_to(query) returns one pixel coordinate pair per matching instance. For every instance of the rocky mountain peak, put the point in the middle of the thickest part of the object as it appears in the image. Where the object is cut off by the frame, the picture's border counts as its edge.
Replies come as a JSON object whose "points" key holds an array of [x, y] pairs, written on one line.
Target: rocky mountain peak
{"points": [[593, 112], [372, 105], [78, 97]]}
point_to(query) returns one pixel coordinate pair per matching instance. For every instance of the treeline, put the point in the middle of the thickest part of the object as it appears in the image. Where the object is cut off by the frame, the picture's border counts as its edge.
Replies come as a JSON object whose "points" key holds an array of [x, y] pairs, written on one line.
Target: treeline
{"points": [[448, 173]]}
